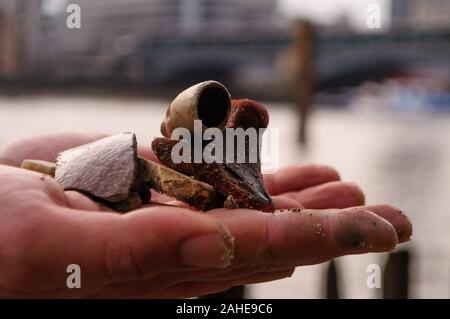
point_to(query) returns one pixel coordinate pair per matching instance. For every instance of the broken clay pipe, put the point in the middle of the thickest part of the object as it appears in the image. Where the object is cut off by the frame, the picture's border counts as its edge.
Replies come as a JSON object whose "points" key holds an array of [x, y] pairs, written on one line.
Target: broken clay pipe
{"points": [[244, 113], [207, 101], [240, 183]]}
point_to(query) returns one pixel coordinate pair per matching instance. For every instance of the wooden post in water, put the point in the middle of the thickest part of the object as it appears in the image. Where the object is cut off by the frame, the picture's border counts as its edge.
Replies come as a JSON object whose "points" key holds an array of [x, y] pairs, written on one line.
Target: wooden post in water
{"points": [[396, 276], [304, 77], [331, 281], [9, 55]]}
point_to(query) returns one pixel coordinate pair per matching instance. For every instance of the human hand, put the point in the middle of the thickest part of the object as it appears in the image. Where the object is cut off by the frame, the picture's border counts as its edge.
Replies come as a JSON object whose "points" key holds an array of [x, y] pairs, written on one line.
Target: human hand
{"points": [[164, 251]]}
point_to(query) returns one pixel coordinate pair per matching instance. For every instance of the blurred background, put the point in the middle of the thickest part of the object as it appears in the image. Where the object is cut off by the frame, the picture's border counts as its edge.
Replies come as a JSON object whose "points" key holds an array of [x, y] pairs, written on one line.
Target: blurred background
{"points": [[360, 85]]}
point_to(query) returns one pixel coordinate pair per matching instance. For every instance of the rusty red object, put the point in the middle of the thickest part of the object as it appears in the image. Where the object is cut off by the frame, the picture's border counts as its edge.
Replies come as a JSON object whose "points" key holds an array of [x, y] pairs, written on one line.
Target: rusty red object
{"points": [[247, 113], [241, 184]]}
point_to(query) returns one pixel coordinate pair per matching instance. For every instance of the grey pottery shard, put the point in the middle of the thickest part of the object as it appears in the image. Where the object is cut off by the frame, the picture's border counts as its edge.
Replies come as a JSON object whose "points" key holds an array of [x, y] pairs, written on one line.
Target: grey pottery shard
{"points": [[105, 168]]}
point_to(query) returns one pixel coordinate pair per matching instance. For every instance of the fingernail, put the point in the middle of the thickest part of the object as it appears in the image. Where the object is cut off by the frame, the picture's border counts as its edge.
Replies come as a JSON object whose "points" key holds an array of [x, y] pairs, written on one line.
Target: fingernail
{"points": [[215, 251]]}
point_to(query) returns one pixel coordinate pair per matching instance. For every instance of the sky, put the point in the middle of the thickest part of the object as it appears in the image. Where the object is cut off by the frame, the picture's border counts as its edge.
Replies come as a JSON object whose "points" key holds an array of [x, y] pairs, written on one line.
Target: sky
{"points": [[327, 11]]}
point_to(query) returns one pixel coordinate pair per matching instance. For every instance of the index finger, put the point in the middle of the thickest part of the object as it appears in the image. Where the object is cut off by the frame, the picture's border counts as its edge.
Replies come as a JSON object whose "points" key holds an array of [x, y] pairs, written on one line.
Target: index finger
{"points": [[305, 237], [296, 178]]}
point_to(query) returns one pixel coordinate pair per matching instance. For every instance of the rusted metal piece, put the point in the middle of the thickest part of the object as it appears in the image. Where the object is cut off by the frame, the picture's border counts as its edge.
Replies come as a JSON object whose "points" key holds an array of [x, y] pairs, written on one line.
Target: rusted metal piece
{"points": [[247, 113], [240, 183]]}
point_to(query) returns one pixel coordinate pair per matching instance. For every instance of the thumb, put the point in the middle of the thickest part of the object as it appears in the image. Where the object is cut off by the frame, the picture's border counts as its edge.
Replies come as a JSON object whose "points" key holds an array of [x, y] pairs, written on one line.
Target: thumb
{"points": [[111, 248]]}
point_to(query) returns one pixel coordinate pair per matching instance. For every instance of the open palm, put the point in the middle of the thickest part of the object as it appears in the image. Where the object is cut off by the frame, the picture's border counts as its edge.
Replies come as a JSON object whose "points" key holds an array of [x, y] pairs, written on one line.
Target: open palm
{"points": [[167, 251]]}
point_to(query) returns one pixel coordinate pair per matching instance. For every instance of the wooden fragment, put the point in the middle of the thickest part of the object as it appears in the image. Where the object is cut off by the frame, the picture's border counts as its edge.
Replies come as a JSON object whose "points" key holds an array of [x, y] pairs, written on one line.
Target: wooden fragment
{"points": [[332, 281], [187, 189], [396, 275]]}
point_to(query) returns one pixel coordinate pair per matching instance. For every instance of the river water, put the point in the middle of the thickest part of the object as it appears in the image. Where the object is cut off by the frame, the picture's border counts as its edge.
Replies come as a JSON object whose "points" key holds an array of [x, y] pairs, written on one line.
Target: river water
{"points": [[397, 158]]}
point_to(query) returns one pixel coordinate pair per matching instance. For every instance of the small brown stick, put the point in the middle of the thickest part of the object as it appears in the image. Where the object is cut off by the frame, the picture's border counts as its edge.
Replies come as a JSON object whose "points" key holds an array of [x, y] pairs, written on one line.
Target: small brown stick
{"points": [[39, 166]]}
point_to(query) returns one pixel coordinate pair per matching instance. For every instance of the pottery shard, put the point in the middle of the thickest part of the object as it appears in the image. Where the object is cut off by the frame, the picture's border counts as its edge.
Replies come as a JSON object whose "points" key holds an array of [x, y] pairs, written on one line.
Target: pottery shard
{"points": [[105, 169]]}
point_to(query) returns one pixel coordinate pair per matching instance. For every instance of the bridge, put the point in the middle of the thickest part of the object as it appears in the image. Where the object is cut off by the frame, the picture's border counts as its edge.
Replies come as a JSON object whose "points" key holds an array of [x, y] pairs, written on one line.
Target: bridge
{"points": [[341, 59]]}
